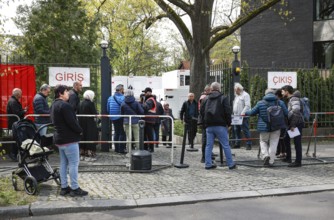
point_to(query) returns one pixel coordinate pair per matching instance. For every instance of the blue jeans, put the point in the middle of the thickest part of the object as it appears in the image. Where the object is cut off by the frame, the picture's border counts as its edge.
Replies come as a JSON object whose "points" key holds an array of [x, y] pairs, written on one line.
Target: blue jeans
{"points": [[119, 135], [221, 133], [69, 160], [245, 129]]}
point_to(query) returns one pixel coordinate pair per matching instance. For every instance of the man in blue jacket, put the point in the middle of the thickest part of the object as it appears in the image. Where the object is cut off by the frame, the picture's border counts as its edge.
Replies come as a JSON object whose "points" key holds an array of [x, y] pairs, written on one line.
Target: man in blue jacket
{"points": [[114, 108], [41, 106], [268, 138]]}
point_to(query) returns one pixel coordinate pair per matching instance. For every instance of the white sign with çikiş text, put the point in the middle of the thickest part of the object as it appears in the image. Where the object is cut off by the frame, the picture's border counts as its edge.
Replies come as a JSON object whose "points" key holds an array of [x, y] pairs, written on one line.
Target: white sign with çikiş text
{"points": [[236, 120], [277, 80], [68, 75]]}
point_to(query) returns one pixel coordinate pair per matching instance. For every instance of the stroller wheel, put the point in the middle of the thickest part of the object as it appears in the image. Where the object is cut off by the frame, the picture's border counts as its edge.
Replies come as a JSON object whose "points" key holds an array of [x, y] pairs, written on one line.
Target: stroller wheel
{"points": [[30, 185], [14, 182], [56, 176]]}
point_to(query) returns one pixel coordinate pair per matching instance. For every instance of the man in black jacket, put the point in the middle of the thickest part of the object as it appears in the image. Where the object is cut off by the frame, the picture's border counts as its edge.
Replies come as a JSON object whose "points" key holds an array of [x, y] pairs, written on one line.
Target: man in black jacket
{"points": [[14, 107], [41, 106], [74, 99], [216, 114], [66, 137], [189, 115]]}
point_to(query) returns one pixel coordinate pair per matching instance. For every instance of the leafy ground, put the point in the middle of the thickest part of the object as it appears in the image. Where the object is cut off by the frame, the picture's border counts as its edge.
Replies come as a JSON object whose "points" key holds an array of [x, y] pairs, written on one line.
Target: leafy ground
{"points": [[10, 197]]}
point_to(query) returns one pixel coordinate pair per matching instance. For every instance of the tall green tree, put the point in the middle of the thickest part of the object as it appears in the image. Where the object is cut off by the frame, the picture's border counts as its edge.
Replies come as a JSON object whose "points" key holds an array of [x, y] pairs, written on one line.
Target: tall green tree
{"points": [[132, 49], [203, 34], [57, 31]]}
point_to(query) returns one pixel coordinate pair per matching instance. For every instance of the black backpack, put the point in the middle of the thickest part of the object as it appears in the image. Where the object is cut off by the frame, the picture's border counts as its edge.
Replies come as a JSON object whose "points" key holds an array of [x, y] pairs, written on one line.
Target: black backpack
{"points": [[276, 119]]}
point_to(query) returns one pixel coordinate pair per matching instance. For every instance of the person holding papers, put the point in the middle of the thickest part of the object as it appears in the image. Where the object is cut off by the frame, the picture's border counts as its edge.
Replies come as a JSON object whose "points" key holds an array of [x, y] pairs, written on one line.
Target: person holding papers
{"points": [[295, 125]]}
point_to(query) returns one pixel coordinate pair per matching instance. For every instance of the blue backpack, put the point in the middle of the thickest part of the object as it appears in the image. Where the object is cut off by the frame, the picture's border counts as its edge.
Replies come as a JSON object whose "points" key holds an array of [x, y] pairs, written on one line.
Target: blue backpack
{"points": [[306, 111]]}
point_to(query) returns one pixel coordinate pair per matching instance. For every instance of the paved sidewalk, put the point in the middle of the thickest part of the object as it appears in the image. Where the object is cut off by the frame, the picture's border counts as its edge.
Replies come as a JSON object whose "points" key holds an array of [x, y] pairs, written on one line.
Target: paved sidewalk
{"points": [[110, 189]]}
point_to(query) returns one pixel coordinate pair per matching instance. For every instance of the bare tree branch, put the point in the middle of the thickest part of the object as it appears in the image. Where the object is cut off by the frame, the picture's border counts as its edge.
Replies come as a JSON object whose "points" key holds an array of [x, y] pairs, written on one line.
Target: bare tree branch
{"points": [[217, 29], [176, 19], [238, 23], [181, 4]]}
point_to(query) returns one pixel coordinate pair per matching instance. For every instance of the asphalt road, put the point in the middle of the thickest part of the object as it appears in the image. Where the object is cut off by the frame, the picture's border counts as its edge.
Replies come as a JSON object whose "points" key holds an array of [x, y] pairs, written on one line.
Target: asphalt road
{"points": [[316, 206]]}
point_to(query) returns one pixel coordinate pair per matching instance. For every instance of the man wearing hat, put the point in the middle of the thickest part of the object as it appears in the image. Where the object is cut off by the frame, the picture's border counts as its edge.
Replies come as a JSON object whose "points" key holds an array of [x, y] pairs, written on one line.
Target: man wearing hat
{"points": [[150, 108], [41, 106], [114, 108]]}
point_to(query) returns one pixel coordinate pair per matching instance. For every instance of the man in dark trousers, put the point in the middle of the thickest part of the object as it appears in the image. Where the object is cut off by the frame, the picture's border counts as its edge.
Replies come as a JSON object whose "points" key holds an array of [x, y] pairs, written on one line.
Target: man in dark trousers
{"points": [[41, 106], [74, 99], [150, 108], [189, 115], [14, 107], [295, 121]]}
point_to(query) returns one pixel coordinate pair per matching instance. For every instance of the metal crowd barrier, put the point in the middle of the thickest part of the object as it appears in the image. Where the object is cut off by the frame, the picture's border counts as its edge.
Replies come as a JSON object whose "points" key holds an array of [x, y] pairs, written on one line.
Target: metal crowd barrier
{"points": [[314, 136], [8, 129], [129, 143]]}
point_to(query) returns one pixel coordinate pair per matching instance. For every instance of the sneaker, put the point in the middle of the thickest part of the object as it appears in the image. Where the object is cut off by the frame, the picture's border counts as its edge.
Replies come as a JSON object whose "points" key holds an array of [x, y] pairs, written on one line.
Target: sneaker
{"points": [[233, 167], [266, 161], [295, 164], [213, 166], [65, 191], [78, 192], [287, 160], [82, 158], [202, 160]]}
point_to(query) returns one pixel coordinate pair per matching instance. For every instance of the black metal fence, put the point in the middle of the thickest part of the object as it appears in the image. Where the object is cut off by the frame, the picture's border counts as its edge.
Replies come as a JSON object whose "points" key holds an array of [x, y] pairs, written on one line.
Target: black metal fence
{"points": [[315, 84]]}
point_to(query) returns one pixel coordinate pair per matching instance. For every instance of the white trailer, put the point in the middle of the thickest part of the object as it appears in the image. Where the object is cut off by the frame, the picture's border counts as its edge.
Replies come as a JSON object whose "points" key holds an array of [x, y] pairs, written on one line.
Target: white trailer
{"points": [[172, 87], [176, 88], [139, 83]]}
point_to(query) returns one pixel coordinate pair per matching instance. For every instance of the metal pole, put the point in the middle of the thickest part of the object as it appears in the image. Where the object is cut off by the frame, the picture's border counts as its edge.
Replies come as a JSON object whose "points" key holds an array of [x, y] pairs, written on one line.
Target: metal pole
{"points": [[181, 164], [106, 72]]}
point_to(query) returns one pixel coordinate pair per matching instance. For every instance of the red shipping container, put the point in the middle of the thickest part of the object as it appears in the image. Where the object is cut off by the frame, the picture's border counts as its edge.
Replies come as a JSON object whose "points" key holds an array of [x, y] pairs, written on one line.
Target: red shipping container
{"points": [[16, 76]]}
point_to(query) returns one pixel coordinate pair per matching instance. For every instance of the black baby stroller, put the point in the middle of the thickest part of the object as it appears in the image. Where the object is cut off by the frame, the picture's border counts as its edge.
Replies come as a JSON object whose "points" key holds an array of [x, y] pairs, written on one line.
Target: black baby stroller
{"points": [[32, 156]]}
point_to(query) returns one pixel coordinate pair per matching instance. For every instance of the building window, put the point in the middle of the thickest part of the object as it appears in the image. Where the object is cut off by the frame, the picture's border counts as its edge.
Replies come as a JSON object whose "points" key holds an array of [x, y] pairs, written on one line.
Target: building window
{"points": [[324, 54], [324, 9], [187, 80]]}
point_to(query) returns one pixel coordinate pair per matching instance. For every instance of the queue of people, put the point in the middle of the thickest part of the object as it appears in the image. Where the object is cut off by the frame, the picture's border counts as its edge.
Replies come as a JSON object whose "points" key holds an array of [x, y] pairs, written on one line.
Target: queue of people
{"points": [[212, 109]]}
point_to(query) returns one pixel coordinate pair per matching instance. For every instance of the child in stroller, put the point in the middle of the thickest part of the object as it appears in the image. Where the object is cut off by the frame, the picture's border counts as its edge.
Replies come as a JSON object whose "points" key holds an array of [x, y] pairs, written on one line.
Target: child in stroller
{"points": [[33, 154]]}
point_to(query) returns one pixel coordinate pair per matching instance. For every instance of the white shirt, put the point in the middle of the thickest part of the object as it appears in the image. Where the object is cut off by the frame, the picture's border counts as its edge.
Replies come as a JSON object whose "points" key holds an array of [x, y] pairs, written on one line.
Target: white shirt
{"points": [[241, 103]]}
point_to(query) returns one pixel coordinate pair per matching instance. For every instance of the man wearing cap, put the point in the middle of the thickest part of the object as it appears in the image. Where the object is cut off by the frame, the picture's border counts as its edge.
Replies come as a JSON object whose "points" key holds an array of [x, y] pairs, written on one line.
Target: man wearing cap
{"points": [[74, 99], [114, 108], [41, 106], [150, 108]]}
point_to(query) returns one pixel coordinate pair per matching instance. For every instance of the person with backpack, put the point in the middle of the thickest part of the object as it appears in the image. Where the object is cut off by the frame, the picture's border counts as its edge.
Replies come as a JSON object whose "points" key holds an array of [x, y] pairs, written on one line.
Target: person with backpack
{"points": [[295, 120], [114, 108], [131, 107], [216, 114], [271, 113]]}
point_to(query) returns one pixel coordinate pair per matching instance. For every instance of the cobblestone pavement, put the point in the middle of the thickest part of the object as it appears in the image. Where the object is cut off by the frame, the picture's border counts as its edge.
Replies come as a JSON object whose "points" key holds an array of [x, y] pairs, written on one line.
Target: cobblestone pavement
{"points": [[106, 182]]}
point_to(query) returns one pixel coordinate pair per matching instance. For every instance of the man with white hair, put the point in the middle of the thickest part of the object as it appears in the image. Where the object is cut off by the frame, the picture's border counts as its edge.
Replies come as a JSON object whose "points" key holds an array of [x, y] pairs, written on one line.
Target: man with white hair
{"points": [[216, 115], [14, 107], [241, 104]]}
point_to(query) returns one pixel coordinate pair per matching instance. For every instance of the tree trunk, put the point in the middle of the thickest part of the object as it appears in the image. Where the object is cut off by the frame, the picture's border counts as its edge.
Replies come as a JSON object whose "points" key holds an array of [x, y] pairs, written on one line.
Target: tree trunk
{"points": [[201, 25]]}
